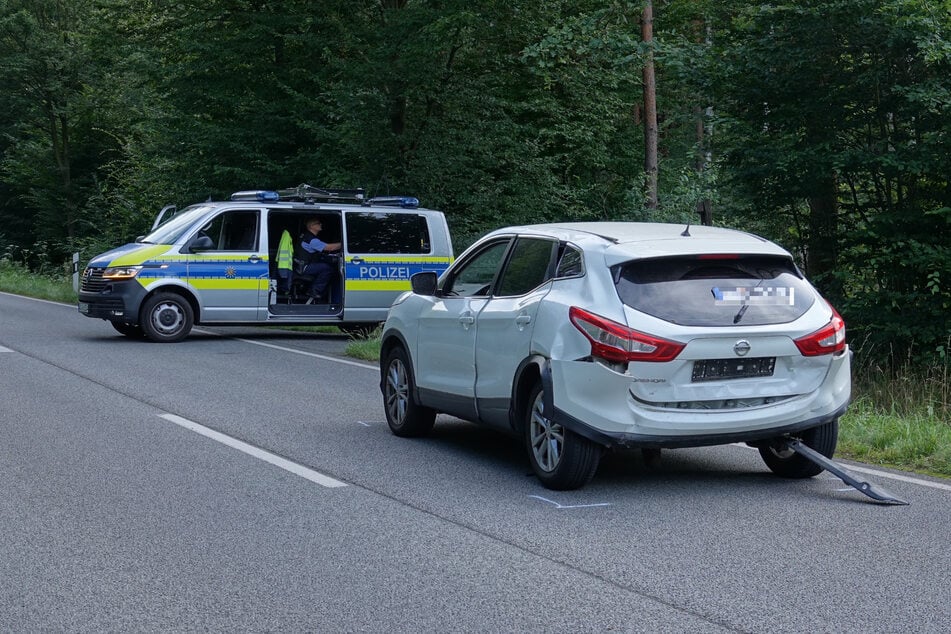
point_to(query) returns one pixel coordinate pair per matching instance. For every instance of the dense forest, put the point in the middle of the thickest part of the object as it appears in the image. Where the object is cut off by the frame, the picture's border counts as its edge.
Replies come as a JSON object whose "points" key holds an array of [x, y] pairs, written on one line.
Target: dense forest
{"points": [[822, 124]]}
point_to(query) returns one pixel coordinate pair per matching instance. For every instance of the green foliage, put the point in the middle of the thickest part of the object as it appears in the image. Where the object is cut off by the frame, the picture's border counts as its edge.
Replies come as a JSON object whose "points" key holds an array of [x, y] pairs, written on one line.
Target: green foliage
{"points": [[835, 120], [50, 285]]}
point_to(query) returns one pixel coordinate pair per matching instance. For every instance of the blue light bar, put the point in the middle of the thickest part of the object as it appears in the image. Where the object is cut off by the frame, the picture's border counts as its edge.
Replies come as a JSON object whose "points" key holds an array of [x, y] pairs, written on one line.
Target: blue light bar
{"points": [[406, 202], [260, 195]]}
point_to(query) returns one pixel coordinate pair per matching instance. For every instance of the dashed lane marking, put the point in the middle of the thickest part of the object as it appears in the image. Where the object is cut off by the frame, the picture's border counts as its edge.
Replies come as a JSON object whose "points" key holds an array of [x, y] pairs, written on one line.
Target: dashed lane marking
{"points": [[297, 469]]}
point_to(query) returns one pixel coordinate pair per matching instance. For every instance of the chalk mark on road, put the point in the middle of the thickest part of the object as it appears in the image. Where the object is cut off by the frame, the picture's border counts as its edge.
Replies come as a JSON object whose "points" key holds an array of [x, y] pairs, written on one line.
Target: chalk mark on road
{"points": [[558, 505]]}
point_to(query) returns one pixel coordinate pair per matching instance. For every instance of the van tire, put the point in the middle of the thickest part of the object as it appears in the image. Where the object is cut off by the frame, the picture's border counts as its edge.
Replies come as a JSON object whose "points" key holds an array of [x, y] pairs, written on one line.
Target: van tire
{"points": [[166, 318], [359, 330], [129, 330]]}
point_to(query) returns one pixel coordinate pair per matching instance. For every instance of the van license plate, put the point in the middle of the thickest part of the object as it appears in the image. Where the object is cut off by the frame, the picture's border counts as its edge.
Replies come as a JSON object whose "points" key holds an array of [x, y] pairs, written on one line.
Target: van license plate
{"points": [[718, 369]]}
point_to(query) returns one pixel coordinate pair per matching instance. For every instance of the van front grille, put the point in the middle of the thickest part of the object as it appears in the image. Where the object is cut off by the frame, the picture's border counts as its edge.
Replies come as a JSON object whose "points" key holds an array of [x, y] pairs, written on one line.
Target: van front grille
{"points": [[92, 281]]}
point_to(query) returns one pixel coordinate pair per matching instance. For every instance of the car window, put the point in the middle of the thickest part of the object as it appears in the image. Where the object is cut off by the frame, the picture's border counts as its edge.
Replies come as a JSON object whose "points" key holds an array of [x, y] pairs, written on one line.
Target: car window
{"points": [[528, 266], [233, 231], [716, 290], [387, 232], [475, 276], [571, 262]]}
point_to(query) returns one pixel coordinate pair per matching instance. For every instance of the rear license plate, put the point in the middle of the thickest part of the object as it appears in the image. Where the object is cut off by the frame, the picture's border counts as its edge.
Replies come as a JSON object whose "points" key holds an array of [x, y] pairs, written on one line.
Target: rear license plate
{"points": [[718, 369], [83, 308]]}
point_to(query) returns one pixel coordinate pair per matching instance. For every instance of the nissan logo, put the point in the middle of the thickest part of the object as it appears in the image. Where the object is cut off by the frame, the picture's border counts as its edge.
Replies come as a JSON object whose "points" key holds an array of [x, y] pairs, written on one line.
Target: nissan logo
{"points": [[741, 347]]}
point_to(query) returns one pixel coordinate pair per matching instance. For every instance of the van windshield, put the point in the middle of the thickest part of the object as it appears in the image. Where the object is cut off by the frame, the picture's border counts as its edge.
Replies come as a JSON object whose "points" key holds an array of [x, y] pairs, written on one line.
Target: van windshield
{"points": [[171, 231]]}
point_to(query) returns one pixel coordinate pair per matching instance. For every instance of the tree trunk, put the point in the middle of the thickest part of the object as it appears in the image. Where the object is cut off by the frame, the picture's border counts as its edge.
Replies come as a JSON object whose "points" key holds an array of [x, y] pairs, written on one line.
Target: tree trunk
{"points": [[822, 247], [704, 206], [650, 109]]}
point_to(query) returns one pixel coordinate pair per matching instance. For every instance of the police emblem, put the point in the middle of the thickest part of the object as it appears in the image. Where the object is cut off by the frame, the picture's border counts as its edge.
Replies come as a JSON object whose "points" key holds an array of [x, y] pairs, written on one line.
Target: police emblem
{"points": [[230, 272]]}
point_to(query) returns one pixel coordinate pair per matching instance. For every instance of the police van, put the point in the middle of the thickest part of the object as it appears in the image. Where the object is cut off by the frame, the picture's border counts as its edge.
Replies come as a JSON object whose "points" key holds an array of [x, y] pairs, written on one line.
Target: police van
{"points": [[222, 263]]}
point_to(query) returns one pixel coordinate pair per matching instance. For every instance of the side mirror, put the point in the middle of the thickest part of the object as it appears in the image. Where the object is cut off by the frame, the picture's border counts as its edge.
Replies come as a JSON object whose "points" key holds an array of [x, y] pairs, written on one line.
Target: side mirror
{"points": [[138, 239], [424, 283], [200, 243]]}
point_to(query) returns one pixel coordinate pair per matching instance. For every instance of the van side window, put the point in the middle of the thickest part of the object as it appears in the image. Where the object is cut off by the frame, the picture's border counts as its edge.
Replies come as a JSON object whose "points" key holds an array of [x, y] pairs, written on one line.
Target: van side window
{"points": [[234, 231], [382, 232]]}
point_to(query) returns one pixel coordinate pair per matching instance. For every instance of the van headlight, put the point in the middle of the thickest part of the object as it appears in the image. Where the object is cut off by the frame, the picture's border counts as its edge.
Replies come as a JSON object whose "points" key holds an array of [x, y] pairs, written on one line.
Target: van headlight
{"points": [[121, 272]]}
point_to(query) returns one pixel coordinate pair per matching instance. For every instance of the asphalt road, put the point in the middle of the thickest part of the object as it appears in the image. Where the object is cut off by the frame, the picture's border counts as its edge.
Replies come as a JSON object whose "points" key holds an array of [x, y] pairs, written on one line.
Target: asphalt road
{"points": [[245, 480]]}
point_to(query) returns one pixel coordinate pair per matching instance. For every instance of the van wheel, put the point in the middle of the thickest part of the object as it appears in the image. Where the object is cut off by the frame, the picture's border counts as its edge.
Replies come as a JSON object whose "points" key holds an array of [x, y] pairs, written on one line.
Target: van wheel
{"points": [[359, 330], [788, 464], [166, 318], [560, 458], [129, 330], [405, 416]]}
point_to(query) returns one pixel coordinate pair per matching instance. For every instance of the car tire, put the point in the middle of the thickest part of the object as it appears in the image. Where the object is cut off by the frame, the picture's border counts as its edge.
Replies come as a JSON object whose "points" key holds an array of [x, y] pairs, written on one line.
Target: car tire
{"points": [[787, 463], [560, 458], [404, 415], [129, 330], [166, 318]]}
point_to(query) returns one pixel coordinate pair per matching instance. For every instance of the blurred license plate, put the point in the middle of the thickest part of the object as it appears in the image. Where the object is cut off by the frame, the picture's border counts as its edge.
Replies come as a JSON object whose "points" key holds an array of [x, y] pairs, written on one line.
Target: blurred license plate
{"points": [[83, 307], [717, 369]]}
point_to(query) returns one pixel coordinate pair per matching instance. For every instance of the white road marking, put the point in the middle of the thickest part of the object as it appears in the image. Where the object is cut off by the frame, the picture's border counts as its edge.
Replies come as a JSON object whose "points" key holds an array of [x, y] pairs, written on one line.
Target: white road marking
{"points": [[360, 422], [325, 357], [881, 474], [260, 454], [895, 476], [2, 349], [569, 506]]}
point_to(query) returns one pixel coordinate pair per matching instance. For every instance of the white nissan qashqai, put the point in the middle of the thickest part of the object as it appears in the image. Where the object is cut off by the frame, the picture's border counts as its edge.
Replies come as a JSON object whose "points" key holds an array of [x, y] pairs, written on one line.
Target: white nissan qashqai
{"points": [[582, 337]]}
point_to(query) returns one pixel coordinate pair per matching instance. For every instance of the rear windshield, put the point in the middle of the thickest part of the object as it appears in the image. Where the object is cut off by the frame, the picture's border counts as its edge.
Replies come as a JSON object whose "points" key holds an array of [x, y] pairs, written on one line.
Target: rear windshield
{"points": [[715, 290]]}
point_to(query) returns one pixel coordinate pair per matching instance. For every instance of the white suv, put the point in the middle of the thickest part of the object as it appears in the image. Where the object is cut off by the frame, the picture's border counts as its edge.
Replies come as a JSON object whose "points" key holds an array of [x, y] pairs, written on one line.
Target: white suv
{"points": [[582, 337]]}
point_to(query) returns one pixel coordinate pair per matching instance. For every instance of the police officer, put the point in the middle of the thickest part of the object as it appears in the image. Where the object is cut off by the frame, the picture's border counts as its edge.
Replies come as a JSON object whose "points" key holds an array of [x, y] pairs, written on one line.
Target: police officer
{"points": [[314, 249]]}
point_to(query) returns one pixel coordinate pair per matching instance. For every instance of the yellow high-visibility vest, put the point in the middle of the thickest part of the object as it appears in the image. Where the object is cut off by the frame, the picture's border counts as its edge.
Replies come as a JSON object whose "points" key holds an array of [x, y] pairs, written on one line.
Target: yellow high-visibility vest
{"points": [[285, 252]]}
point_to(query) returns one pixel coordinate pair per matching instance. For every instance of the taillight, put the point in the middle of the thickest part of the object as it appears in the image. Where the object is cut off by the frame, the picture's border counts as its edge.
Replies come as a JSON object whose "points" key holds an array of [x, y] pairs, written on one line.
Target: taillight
{"points": [[617, 343], [828, 339]]}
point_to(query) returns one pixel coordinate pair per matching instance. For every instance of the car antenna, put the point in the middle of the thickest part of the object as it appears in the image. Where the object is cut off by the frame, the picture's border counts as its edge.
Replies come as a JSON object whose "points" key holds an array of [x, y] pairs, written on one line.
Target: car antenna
{"points": [[686, 232]]}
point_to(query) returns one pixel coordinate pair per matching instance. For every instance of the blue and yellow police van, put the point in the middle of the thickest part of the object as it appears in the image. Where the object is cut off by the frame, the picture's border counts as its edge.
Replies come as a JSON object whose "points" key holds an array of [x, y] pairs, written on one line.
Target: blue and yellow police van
{"points": [[227, 263]]}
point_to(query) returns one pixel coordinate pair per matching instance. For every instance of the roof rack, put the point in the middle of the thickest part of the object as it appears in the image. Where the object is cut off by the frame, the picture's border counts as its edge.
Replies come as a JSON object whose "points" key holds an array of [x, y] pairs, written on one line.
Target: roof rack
{"points": [[303, 193], [309, 194]]}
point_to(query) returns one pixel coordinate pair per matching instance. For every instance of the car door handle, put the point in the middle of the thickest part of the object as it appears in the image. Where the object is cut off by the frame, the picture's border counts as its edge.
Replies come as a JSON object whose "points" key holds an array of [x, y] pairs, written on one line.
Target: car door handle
{"points": [[522, 320], [254, 259], [466, 319], [356, 260]]}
